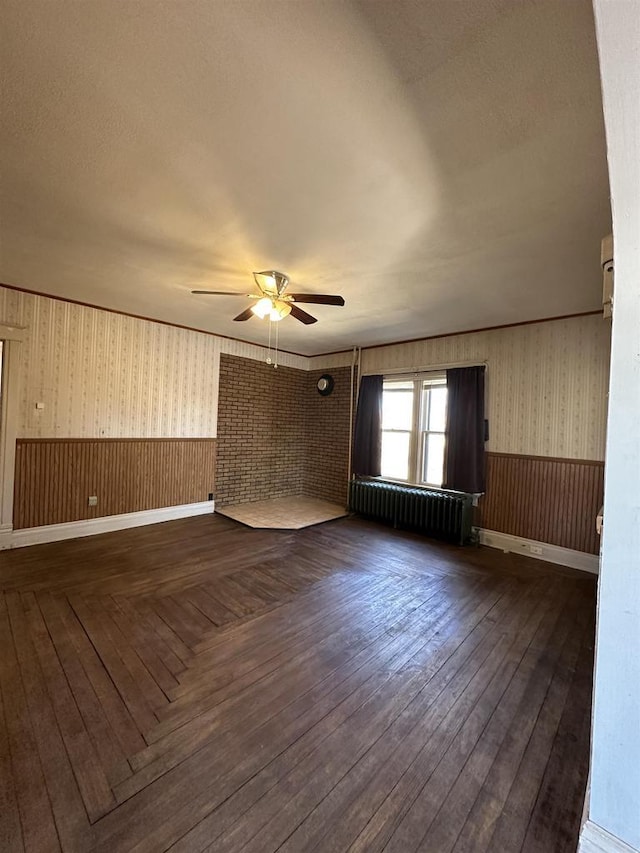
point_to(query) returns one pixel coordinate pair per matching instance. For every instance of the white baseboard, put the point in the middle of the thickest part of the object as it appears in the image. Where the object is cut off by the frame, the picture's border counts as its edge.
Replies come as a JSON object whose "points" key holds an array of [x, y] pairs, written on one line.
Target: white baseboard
{"points": [[89, 527], [595, 839], [541, 551]]}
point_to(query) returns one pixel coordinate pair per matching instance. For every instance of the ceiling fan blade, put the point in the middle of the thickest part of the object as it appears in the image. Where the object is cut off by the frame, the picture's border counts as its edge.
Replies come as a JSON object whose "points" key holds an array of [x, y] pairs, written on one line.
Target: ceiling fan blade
{"points": [[247, 314], [301, 315], [318, 298], [219, 292]]}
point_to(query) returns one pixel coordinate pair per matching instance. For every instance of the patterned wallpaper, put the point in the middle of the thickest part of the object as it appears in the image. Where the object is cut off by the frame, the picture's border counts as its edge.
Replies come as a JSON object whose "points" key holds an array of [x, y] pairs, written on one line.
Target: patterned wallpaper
{"points": [[104, 375], [101, 374], [258, 353], [326, 362], [546, 382]]}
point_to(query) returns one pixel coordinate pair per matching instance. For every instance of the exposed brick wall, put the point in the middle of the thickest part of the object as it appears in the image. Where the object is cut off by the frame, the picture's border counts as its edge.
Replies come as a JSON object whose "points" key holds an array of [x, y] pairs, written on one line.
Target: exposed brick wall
{"points": [[261, 431], [277, 436], [327, 436]]}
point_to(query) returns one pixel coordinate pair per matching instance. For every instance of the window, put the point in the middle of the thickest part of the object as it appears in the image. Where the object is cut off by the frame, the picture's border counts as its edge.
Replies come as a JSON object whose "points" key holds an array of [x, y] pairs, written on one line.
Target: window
{"points": [[414, 413]]}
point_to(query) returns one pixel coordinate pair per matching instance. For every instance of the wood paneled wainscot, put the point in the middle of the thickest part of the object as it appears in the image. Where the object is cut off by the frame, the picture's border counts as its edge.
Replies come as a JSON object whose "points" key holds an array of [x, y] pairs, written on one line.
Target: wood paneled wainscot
{"points": [[55, 477], [545, 499]]}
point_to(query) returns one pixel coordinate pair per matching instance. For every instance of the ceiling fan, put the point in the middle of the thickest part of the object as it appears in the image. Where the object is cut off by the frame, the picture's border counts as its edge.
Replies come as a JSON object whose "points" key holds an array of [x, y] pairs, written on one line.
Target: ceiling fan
{"points": [[273, 302]]}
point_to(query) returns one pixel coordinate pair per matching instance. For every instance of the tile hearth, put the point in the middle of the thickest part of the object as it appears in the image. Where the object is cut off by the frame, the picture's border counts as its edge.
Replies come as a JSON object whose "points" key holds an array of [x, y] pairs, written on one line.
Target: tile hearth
{"points": [[290, 513]]}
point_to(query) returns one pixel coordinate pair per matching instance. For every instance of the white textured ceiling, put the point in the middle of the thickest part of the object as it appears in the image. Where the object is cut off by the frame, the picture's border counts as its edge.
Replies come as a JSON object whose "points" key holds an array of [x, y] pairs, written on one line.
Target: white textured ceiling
{"points": [[440, 163]]}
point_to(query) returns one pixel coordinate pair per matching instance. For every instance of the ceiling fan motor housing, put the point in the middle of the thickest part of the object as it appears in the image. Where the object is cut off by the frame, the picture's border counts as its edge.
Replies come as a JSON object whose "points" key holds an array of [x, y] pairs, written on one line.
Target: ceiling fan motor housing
{"points": [[270, 281]]}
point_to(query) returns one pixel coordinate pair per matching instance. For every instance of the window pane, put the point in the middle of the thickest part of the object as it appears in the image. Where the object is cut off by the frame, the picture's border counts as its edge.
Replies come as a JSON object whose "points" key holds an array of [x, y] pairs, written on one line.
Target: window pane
{"points": [[397, 409], [438, 410], [434, 459], [424, 416], [395, 455], [398, 384]]}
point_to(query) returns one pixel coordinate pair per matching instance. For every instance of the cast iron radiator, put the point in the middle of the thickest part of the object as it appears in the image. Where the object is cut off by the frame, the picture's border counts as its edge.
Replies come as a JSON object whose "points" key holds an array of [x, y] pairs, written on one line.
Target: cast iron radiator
{"points": [[445, 515]]}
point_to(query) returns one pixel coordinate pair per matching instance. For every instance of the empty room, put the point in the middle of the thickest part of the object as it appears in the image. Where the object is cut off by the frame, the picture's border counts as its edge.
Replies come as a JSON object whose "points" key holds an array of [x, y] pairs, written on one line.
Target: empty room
{"points": [[319, 426]]}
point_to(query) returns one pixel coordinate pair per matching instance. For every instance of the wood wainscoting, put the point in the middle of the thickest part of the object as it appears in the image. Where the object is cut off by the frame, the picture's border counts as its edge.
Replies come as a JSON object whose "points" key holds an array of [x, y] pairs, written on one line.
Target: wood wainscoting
{"points": [[546, 499], [55, 476]]}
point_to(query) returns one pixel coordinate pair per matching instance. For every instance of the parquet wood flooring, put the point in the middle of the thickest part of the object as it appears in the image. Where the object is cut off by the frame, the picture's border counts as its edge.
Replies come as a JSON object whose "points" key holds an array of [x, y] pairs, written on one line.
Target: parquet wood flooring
{"points": [[197, 685]]}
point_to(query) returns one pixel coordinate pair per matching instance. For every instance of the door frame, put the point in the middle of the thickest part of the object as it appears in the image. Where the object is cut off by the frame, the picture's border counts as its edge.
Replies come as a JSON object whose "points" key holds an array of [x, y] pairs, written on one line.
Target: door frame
{"points": [[12, 338]]}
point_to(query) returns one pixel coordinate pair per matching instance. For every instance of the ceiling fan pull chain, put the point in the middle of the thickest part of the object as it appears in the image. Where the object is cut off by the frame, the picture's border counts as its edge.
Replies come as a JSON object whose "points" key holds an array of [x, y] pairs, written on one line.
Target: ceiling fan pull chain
{"points": [[275, 365], [269, 349]]}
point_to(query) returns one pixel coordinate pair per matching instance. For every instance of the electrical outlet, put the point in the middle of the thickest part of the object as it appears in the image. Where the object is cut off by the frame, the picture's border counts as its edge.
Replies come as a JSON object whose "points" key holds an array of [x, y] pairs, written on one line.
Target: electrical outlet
{"points": [[210, 498], [535, 549], [93, 500]]}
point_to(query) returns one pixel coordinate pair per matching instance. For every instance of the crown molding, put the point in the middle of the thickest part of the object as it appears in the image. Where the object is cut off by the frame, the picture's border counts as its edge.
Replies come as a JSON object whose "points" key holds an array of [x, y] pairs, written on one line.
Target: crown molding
{"points": [[292, 352]]}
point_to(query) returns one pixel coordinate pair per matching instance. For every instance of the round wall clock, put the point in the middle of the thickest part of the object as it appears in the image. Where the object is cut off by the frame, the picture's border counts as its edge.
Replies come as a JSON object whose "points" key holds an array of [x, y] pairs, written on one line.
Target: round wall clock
{"points": [[325, 385]]}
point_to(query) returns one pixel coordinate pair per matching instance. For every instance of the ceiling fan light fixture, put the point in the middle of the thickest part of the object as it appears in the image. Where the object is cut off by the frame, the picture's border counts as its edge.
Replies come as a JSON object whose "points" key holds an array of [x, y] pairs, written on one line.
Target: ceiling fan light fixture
{"points": [[279, 310], [262, 308], [274, 309]]}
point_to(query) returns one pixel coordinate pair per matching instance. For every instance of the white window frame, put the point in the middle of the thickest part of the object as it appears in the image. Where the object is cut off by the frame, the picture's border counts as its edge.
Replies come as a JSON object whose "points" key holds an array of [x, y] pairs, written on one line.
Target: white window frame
{"points": [[419, 430]]}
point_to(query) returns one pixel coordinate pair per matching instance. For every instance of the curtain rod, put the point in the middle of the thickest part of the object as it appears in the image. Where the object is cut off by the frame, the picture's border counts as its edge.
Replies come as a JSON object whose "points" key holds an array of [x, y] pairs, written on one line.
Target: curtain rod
{"points": [[432, 368]]}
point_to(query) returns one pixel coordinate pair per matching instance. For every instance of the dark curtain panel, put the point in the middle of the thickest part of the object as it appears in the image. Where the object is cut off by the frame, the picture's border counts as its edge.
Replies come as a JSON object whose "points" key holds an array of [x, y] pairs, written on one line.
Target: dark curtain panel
{"points": [[367, 437], [465, 460]]}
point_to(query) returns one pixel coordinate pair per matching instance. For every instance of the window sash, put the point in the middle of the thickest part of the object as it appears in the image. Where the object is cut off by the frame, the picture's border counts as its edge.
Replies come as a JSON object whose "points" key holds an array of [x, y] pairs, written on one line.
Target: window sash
{"points": [[409, 457], [424, 458], [418, 435]]}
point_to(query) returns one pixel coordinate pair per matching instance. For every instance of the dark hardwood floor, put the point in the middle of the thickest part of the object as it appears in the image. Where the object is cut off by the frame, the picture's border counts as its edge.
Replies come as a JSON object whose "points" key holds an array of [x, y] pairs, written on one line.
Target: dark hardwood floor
{"points": [[197, 685]]}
